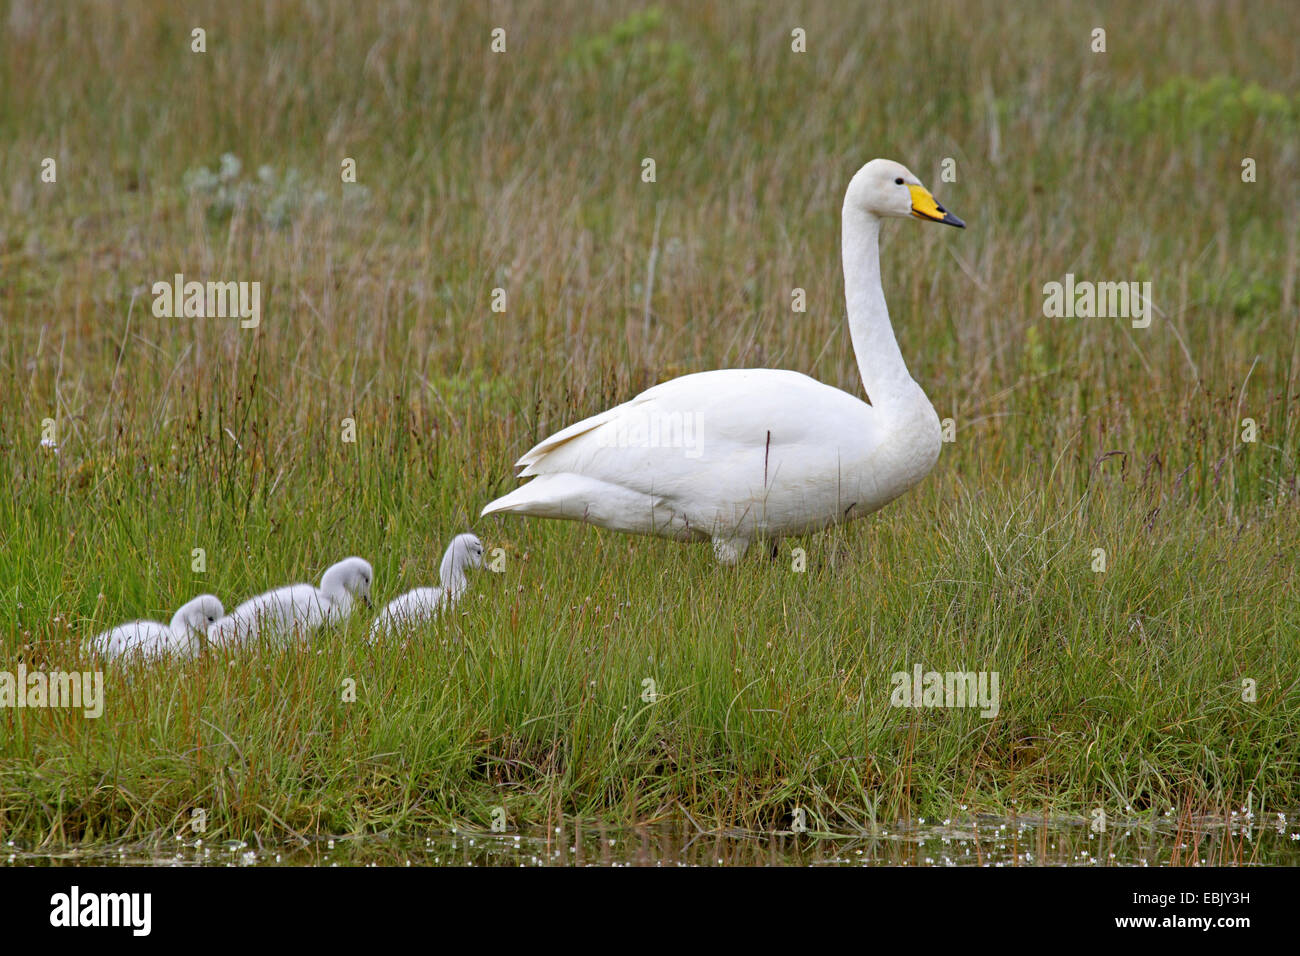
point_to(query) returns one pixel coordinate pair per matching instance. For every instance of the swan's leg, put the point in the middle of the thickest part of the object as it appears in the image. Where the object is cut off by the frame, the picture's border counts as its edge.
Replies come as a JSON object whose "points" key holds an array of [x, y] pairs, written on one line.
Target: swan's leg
{"points": [[729, 551]]}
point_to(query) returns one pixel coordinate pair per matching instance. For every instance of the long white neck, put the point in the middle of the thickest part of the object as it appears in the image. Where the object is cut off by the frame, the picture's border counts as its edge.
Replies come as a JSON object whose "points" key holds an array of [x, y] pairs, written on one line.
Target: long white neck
{"points": [[884, 374]]}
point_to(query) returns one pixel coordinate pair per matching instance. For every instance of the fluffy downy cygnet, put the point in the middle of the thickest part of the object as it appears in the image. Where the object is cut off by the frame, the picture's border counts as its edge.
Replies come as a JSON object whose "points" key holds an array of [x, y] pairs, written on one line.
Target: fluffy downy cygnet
{"points": [[296, 610], [152, 640], [421, 605]]}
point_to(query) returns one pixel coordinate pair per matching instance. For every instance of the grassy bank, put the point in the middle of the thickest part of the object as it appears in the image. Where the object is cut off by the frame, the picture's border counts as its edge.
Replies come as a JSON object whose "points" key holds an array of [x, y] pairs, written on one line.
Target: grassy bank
{"points": [[1120, 689]]}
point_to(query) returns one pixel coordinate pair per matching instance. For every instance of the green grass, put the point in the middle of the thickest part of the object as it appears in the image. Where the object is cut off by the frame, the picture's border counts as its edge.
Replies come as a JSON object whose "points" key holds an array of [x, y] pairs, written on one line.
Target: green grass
{"points": [[1120, 690]]}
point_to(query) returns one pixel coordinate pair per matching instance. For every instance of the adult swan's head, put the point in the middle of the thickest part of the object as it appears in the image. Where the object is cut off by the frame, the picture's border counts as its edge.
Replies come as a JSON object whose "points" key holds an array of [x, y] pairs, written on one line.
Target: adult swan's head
{"points": [[885, 188]]}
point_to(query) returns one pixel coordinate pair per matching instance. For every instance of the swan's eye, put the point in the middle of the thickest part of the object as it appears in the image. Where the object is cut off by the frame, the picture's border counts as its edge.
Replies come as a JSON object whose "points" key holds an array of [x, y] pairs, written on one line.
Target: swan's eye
{"points": [[898, 181]]}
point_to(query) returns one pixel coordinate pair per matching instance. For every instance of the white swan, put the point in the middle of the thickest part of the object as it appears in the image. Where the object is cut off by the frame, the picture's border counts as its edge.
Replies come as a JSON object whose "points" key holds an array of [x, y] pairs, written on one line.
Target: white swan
{"points": [[151, 640], [297, 609], [416, 607], [741, 453]]}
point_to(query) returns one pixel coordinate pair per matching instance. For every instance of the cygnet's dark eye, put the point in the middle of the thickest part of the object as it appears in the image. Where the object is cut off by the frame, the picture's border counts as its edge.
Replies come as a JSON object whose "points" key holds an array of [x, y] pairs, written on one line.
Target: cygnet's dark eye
{"points": [[898, 181]]}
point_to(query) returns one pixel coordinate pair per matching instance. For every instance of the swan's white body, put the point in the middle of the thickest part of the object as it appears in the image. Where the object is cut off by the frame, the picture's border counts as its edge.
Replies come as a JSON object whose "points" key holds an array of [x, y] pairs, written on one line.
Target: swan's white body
{"points": [[737, 454], [295, 611], [152, 640], [422, 604]]}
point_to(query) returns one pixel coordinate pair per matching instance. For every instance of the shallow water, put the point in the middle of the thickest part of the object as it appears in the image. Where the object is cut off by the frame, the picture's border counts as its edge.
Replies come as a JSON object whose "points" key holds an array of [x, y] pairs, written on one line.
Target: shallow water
{"points": [[982, 841]]}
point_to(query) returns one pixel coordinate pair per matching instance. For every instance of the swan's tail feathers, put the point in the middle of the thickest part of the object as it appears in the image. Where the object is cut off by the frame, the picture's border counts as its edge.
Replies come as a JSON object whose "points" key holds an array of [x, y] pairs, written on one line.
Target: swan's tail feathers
{"points": [[547, 496], [581, 498]]}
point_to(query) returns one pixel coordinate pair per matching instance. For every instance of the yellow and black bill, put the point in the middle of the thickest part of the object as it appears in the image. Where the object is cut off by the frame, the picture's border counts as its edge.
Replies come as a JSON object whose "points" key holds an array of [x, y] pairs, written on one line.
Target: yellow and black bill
{"points": [[925, 206]]}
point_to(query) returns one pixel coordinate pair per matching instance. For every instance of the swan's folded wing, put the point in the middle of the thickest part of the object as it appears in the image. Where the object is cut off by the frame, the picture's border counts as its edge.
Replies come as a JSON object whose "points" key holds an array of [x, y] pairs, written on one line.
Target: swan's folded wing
{"points": [[543, 448], [703, 448], [710, 418]]}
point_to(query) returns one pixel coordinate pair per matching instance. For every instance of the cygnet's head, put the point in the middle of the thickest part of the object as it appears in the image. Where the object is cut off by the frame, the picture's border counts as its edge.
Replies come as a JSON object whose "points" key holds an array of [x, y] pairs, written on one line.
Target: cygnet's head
{"points": [[199, 614], [351, 576], [885, 188], [466, 550]]}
